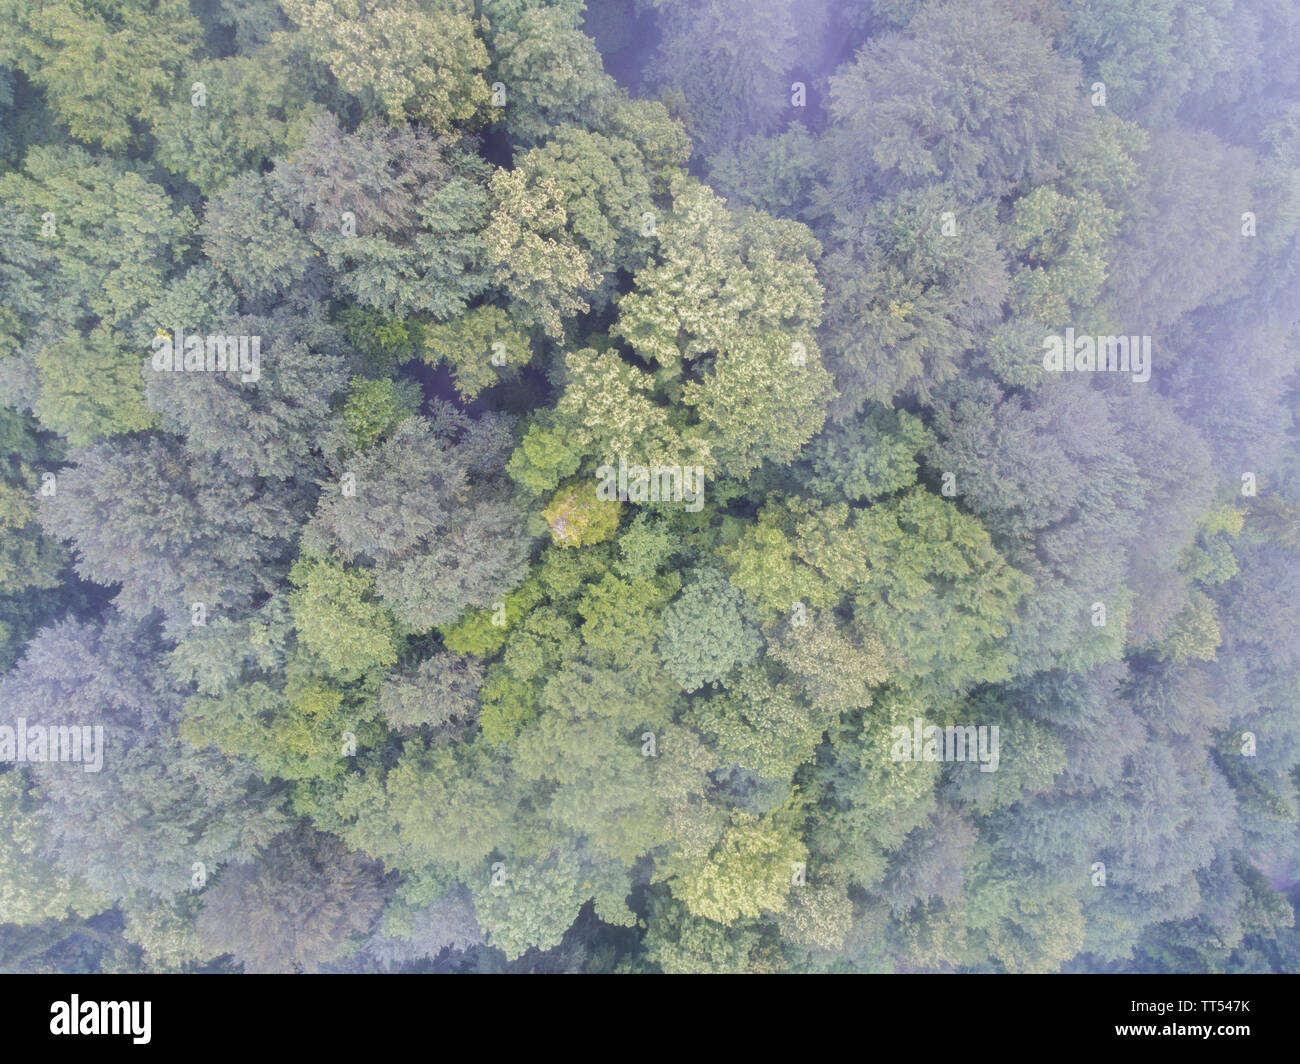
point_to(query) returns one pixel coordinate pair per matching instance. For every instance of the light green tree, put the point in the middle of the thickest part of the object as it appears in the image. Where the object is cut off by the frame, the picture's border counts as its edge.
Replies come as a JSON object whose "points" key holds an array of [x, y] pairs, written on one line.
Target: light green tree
{"points": [[104, 67], [747, 873], [422, 61], [31, 889], [338, 619], [533, 256]]}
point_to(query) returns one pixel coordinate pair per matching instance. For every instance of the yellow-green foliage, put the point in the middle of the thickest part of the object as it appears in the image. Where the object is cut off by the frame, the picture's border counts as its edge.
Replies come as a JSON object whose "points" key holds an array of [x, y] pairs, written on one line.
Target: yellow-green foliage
{"points": [[578, 518]]}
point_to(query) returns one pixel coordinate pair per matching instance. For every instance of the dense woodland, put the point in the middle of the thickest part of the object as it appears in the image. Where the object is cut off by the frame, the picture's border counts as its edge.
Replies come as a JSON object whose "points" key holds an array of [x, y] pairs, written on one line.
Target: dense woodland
{"points": [[388, 682]]}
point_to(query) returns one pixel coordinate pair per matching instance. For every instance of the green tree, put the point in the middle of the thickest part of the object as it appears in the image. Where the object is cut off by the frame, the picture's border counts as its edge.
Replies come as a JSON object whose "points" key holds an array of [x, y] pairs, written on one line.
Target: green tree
{"points": [[440, 692], [436, 804], [705, 632], [551, 72], [872, 455], [907, 296], [835, 667], [761, 725], [189, 807], [606, 187], [422, 61], [250, 107], [90, 387], [678, 942], [30, 889], [338, 619], [747, 873], [937, 591], [430, 511], [264, 421], [1198, 248], [104, 67], [296, 909], [577, 516], [172, 532], [397, 213], [481, 347], [254, 243], [734, 300], [302, 729], [374, 408], [113, 240], [534, 258], [970, 65]]}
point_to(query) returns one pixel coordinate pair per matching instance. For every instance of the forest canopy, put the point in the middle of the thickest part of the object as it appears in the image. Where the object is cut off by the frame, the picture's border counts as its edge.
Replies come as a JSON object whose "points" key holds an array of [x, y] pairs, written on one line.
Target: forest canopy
{"points": [[534, 485]]}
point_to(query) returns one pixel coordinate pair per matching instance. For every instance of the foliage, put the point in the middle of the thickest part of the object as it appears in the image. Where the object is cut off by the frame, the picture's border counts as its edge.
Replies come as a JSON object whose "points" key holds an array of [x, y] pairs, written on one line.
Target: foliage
{"points": [[643, 449]]}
